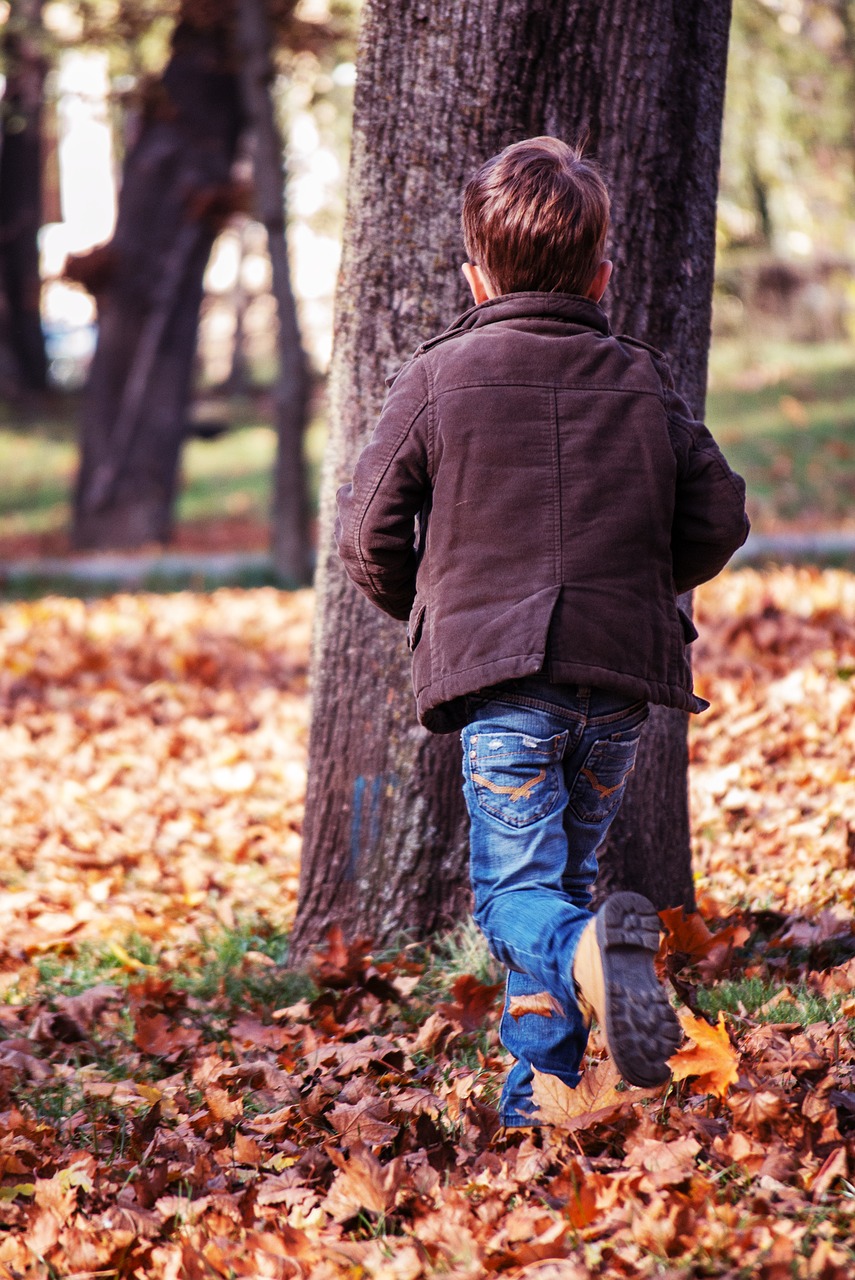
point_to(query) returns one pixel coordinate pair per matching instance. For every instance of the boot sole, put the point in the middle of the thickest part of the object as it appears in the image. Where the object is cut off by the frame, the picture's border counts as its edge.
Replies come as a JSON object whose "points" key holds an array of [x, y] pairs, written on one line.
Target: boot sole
{"points": [[641, 1028]]}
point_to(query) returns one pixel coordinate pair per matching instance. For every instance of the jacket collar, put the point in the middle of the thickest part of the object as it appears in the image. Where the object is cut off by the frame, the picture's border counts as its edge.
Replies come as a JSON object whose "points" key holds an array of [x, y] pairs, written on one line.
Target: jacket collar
{"points": [[566, 307]]}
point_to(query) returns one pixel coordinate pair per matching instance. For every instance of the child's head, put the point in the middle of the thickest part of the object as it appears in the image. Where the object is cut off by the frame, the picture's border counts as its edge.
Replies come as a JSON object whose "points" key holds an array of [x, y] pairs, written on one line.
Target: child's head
{"points": [[535, 217]]}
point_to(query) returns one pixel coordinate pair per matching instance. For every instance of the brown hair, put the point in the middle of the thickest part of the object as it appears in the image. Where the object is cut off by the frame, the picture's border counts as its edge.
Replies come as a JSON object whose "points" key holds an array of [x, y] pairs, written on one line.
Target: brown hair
{"points": [[536, 217]]}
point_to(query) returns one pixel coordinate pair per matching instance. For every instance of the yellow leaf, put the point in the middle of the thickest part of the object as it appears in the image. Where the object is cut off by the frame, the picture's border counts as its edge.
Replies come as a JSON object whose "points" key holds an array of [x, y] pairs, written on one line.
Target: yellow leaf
{"points": [[127, 961], [150, 1094], [19, 1189], [281, 1161], [710, 1056]]}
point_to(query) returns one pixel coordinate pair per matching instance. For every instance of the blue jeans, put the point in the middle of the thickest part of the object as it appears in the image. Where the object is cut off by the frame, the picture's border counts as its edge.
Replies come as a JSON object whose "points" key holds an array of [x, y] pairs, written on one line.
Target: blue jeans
{"points": [[544, 772]]}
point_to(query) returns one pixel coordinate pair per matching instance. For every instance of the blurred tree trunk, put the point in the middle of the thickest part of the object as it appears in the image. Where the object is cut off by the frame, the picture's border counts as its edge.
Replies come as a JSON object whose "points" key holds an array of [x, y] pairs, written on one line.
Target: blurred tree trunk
{"points": [[22, 349], [291, 550], [176, 193], [441, 87]]}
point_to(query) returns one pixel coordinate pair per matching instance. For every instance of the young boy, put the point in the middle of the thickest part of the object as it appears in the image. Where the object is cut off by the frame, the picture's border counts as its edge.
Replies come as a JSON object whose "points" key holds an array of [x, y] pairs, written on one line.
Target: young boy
{"points": [[534, 497]]}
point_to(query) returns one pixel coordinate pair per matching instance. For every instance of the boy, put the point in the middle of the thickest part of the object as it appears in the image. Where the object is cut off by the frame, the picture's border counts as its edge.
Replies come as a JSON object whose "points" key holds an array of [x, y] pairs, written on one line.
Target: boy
{"points": [[534, 497]]}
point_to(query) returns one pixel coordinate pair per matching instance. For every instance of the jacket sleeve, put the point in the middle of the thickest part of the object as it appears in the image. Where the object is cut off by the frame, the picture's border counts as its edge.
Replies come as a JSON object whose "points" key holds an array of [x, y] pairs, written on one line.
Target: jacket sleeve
{"points": [[709, 512], [375, 530]]}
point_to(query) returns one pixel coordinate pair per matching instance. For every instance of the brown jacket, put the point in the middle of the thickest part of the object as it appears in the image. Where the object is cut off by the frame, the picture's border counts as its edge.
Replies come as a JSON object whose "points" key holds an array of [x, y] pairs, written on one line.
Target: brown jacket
{"points": [[533, 498]]}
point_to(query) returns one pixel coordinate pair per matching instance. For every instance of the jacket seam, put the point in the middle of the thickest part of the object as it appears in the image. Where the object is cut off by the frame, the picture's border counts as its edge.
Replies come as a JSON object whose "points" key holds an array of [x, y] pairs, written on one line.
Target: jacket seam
{"points": [[360, 520], [564, 386], [557, 504]]}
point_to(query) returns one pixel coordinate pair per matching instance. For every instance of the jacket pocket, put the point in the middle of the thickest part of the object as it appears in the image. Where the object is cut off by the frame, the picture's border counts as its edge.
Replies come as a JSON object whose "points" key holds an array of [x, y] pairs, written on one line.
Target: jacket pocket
{"points": [[415, 624]]}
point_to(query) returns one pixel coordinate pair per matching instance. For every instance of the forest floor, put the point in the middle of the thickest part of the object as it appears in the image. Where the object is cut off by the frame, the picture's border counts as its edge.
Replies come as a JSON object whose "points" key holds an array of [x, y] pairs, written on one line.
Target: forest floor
{"points": [[175, 1102]]}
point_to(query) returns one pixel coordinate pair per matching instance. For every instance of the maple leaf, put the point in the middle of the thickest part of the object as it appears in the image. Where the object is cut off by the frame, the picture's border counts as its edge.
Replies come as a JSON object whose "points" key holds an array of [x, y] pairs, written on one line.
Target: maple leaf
{"points": [[156, 1036], [362, 1182], [340, 963], [595, 1099], [756, 1108], [688, 938], [473, 1000], [710, 1056], [667, 1162], [363, 1121]]}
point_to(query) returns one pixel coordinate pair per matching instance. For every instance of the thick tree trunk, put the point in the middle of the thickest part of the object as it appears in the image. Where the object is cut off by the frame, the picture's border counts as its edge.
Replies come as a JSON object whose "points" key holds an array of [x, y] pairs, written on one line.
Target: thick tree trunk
{"points": [[291, 549], [443, 85], [22, 360], [175, 194]]}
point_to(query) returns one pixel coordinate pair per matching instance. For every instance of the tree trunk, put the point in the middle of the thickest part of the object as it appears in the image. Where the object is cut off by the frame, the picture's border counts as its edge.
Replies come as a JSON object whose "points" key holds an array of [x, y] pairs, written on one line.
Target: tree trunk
{"points": [[291, 550], [175, 194], [22, 361], [443, 85]]}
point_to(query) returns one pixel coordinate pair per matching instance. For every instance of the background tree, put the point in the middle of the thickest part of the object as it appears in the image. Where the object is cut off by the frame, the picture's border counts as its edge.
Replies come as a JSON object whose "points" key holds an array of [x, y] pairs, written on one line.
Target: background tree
{"points": [[22, 351], [176, 191], [441, 87]]}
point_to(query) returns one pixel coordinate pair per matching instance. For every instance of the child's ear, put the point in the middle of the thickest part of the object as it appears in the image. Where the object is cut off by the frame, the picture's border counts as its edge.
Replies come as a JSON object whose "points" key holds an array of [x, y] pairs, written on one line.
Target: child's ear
{"points": [[600, 281], [476, 282]]}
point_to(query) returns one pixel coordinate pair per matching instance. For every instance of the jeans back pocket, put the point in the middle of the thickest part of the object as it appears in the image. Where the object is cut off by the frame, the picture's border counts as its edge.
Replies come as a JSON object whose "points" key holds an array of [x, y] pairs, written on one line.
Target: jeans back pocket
{"points": [[516, 777], [599, 786]]}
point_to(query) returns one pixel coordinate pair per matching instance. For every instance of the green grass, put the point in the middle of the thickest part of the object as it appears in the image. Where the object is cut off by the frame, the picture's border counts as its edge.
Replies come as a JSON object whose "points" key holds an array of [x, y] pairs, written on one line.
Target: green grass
{"points": [[228, 966], [230, 476], [747, 996], [785, 416]]}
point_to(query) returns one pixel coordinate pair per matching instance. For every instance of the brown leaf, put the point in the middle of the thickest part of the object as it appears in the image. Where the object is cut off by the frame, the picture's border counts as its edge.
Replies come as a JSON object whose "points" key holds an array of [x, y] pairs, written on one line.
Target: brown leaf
{"points": [[594, 1100], [156, 1036], [835, 1166], [221, 1106], [473, 1001], [362, 1183], [363, 1121], [755, 1109], [668, 1162]]}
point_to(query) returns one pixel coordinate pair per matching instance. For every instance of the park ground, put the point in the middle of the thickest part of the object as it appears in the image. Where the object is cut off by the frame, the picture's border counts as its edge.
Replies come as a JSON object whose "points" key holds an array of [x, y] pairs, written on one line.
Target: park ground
{"points": [[176, 1102]]}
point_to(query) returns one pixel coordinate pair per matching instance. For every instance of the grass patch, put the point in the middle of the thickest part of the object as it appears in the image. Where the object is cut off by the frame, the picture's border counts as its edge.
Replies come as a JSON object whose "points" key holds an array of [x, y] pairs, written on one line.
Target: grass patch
{"points": [[753, 997], [785, 416], [239, 966], [227, 477], [245, 965]]}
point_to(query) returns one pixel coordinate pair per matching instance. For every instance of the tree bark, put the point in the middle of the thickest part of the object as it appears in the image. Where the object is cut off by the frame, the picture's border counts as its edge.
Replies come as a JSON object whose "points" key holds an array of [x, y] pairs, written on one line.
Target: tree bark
{"points": [[291, 548], [23, 365], [175, 195], [443, 85]]}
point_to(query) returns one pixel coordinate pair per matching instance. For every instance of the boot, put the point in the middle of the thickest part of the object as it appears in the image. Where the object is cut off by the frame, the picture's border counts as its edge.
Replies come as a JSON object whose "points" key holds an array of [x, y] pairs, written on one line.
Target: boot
{"points": [[615, 980]]}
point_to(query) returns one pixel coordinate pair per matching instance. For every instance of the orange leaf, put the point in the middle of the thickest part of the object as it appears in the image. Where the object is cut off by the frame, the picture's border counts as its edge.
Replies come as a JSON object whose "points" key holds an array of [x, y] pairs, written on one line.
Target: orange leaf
{"points": [[711, 1057], [543, 1003], [473, 1000]]}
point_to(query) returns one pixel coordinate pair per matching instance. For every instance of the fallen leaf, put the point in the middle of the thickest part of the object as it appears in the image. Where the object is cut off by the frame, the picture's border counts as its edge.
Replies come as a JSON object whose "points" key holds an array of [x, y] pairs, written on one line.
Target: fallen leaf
{"points": [[710, 1057]]}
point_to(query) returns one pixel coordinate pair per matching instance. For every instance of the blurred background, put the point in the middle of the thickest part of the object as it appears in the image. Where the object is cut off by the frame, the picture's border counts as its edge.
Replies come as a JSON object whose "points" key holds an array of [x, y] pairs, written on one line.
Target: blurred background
{"points": [[138, 140]]}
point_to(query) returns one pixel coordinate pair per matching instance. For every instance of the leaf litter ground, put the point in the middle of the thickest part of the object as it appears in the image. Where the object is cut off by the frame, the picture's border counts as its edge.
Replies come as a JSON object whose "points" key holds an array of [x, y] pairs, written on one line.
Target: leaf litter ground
{"points": [[176, 1103]]}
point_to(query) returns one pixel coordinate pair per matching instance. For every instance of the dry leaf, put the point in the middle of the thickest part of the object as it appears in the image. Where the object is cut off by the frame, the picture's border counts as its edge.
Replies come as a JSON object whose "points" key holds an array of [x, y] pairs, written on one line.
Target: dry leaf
{"points": [[710, 1057], [594, 1100], [543, 1004]]}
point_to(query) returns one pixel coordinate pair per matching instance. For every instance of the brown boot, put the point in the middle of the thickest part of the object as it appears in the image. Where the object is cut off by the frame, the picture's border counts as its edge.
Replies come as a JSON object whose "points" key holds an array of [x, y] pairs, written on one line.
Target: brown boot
{"points": [[615, 979]]}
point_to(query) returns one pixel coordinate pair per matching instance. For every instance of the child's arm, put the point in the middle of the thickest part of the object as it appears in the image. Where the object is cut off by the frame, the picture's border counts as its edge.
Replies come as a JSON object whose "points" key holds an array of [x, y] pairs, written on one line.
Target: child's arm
{"points": [[709, 513], [375, 529]]}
